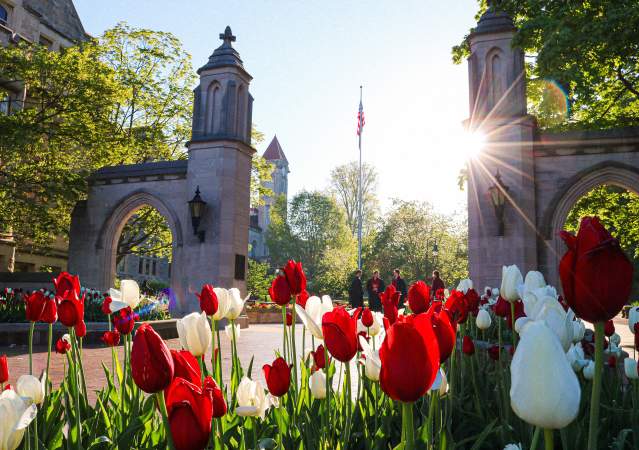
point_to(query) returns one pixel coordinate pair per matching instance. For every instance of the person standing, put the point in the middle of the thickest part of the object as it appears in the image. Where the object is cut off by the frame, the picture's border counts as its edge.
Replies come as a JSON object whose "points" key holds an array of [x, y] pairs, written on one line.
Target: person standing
{"points": [[438, 283], [356, 291], [400, 285], [375, 286]]}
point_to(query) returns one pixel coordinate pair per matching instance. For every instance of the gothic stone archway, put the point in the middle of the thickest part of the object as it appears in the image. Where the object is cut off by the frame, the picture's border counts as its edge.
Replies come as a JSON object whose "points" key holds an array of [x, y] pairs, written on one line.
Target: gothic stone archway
{"points": [[545, 173], [219, 163]]}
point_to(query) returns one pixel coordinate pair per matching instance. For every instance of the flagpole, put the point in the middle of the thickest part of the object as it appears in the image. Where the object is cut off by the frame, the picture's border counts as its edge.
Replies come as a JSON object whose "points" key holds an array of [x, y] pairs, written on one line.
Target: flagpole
{"points": [[359, 192]]}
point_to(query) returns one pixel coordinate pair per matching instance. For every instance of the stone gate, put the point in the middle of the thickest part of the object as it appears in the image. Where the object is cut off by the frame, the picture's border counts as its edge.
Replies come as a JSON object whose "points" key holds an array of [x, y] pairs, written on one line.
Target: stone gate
{"points": [[218, 165], [538, 175]]}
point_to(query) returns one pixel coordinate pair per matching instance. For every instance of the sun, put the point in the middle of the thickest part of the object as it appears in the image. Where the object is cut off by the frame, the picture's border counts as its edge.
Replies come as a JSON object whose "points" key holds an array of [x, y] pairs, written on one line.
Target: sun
{"points": [[470, 144]]}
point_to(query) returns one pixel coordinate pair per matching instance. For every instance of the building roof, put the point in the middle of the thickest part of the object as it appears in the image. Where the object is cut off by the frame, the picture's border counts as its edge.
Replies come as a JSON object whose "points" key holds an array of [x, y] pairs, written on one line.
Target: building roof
{"points": [[494, 21], [274, 151], [225, 55], [59, 15]]}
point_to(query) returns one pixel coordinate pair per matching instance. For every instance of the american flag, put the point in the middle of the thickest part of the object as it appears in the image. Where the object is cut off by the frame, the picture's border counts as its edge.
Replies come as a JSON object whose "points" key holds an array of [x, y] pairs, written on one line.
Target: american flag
{"points": [[360, 119]]}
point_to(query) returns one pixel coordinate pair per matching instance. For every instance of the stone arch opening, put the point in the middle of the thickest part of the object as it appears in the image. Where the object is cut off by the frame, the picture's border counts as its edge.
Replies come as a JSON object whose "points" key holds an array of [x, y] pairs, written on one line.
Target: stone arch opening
{"points": [[604, 174], [109, 239]]}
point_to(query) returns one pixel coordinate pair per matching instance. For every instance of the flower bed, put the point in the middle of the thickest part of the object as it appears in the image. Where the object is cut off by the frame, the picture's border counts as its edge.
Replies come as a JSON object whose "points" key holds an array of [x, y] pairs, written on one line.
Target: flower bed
{"points": [[513, 368]]}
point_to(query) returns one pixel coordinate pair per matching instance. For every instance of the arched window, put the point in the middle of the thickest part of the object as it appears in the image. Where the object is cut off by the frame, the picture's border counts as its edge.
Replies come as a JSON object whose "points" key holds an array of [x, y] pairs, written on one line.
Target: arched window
{"points": [[211, 124], [496, 79], [4, 15]]}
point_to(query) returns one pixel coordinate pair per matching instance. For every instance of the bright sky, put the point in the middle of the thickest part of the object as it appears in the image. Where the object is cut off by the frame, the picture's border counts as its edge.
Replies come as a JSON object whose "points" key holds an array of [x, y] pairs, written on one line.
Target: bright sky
{"points": [[308, 60]]}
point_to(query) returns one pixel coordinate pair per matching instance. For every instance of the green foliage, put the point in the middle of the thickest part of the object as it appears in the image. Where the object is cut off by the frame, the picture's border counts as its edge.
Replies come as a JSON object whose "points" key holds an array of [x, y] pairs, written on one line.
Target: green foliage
{"points": [[588, 48], [261, 172], [406, 240], [258, 279], [315, 232], [145, 233]]}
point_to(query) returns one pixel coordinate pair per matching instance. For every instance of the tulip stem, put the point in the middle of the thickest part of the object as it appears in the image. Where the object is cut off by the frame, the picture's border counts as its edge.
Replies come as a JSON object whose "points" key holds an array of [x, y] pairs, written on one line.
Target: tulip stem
{"points": [[213, 359], [596, 386], [49, 341], [327, 366], [535, 438], [512, 324], [165, 418], [31, 327], [548, 439], [407, 421]]}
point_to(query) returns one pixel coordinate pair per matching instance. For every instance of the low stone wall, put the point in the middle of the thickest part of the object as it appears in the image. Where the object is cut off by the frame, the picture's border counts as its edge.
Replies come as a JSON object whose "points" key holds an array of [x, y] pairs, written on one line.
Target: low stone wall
{"points": [[29, 281], [18, 333], [257, 316]]}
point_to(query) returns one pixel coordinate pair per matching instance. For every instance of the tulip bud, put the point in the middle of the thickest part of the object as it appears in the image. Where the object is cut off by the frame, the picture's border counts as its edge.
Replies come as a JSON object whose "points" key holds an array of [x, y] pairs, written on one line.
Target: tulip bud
{"points": [[633, 318], [367, 317], [534, 280], [236, 304], [30, 387], [609, 328], [223, 303], [194, 332], [483, 320], [546, 405], [278, 377], [589, 370], [4, 369], [468, 346], [464, 285], [440, 385], [576, 357], [152, 365], [208, 300], [615, 339], [318, 384], [511, 278], [251, 399], [630, 367], [289, 319], [110, 338], [229, 331], [578, 330]]}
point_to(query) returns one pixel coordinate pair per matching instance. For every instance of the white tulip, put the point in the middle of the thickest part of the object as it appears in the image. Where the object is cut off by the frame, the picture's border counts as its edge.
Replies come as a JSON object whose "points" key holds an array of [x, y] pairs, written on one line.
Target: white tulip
{"points": [[513, 446], [543, 304], [440, 385], [615, 339], [633, 318], [312, 314], [578, 330], [236, 304], [544, 389], [223, 303], [317, 382], [127, 297], [576, 357], [464, 285], [66, 338], [630, 367], [251, 399], [372, 362], [589, 370], [31, 388], [375, 328], [446, 293], [495, 292], [194, 332], [229, 331], [483, 320], [534, 280], [511, 278], [16, 416]]}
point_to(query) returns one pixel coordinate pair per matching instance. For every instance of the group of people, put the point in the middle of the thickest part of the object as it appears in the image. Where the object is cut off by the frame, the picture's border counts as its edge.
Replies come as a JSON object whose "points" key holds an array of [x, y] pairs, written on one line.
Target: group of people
{"points": [[375, 286]]}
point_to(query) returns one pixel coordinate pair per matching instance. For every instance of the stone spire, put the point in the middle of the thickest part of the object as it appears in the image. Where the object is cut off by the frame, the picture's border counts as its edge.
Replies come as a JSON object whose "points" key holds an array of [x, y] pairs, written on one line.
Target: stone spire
{"points": [[225, 54], [494, 20]]}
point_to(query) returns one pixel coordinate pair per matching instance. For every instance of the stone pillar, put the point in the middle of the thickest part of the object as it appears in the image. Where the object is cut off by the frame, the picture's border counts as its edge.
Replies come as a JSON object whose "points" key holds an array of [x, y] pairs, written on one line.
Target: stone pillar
{"points": [[498, 111], [219, 164]]}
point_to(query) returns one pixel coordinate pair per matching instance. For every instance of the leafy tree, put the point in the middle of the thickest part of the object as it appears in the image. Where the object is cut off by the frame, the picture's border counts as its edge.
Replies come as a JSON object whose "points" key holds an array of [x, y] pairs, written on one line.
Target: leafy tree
{"points": [[258, 279], [406, 241], [591, 49], [261, 171], [145, 233], [344, 183]]}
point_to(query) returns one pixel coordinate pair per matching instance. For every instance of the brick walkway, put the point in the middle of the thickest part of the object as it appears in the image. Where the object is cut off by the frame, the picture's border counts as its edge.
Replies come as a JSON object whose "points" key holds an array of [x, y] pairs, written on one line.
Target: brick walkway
{"points": [[258, 341]]}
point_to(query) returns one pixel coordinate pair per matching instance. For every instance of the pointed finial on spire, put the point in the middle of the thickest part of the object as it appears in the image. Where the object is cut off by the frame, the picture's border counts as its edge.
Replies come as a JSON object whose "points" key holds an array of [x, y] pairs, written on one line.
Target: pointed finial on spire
{"points": [[227, 36]]}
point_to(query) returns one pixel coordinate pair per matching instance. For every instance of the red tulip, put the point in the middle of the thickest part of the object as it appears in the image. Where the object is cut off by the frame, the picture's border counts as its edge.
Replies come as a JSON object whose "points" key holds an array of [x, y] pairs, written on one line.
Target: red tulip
{"points": [[472, 301], [124, 320], [419, 297], [444, 331], [152, 365], [81, 330], [280, 291], [319, 357], [519, 313], [34, 305], [70, 309], [340, 334], [367, 317], [410, 358], [609, 328], [4, 369], [390, 301], [111, 338], [62, 346], [468, 346], [595, 273], [64, 283], [636, 327], [208, 300], [502, 307], [439, 294], [219, 404], [278, 377], [612, 361], [301, 298], [456, 306], [493, 352], [186, 366], [295, 277], [106, 306], [289, 318], [190, 413], [7, 387]]}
